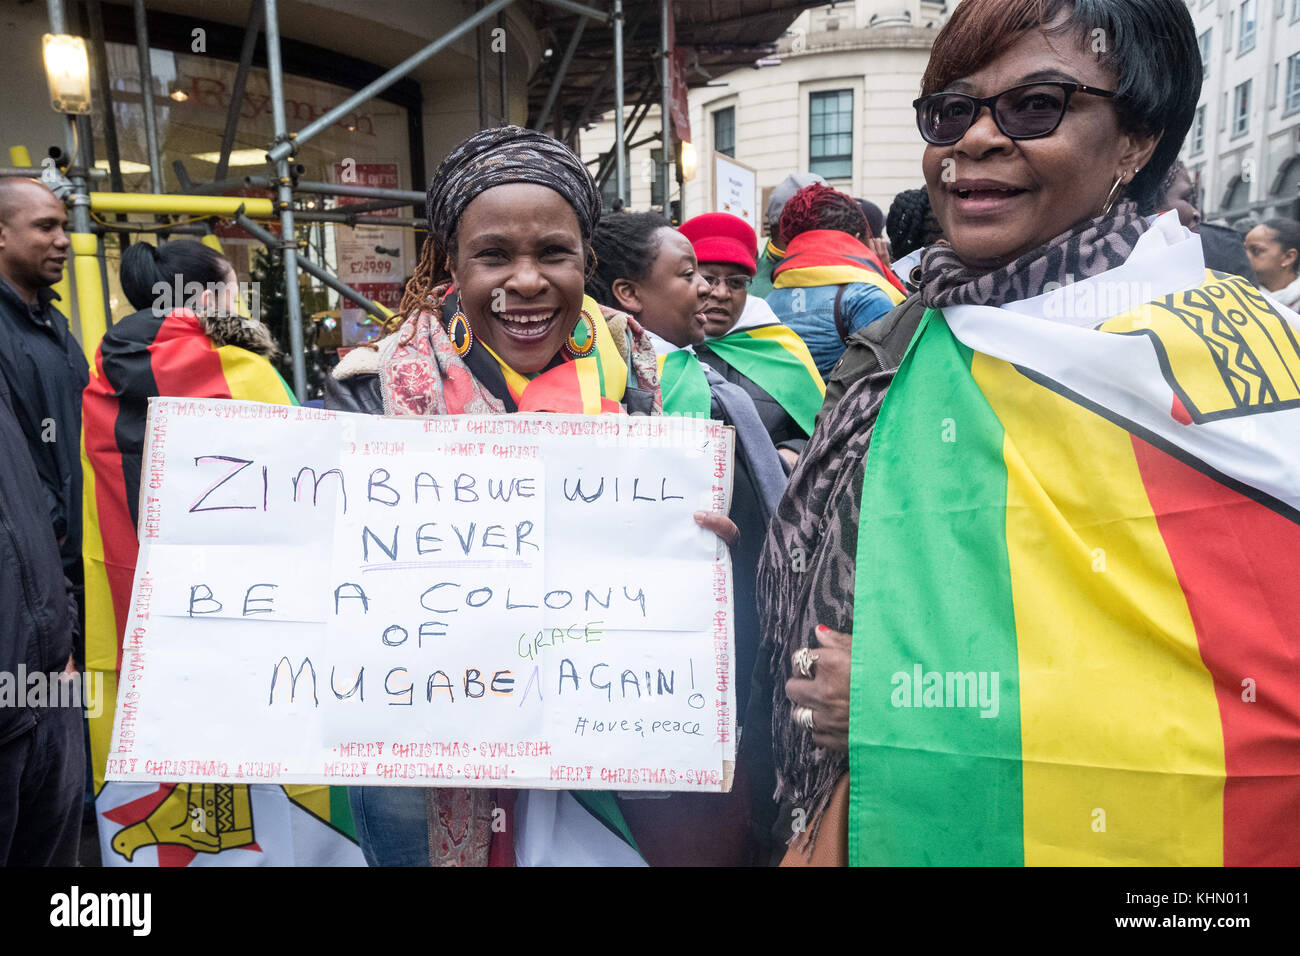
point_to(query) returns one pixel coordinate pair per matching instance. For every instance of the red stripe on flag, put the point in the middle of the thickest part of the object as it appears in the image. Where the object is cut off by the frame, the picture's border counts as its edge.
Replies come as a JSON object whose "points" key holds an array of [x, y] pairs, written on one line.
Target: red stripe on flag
{"points": [[113, 518], [1238, 564], [185, 363]]}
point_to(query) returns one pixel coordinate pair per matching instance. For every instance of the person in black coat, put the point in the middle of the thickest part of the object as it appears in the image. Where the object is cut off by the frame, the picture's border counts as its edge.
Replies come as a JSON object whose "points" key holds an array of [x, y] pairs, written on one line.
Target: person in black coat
{"points": [[42, 747], [40, 361]]}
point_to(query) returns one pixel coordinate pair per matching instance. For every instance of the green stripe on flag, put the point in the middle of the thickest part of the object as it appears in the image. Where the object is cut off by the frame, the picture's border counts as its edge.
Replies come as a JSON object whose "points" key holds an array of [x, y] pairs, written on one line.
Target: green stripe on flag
{"points": [[934, 784], [685, 389], [776, 370], [341, 812]]}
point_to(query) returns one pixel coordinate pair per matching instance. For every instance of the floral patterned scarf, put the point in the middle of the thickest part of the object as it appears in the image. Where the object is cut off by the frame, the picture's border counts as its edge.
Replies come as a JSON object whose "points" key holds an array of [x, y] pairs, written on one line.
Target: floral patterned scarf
{"points": [[420, 373]]}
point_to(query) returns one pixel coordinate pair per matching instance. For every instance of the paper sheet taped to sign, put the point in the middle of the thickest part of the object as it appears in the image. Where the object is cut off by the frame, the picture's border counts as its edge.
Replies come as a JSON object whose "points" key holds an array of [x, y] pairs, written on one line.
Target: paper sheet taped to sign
{"points": [[513, 601]]}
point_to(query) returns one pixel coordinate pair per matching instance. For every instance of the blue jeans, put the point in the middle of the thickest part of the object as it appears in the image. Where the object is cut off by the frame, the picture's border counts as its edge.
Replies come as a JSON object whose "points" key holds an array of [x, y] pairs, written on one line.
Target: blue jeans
{"points": [[392, 824]]}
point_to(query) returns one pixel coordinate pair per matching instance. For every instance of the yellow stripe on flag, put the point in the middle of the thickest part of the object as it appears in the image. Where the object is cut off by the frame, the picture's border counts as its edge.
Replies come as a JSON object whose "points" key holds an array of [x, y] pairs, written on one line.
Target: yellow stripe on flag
{"points": [[588, 374], [791, 342], [1135, 773], [836, 275], [251, 378]]}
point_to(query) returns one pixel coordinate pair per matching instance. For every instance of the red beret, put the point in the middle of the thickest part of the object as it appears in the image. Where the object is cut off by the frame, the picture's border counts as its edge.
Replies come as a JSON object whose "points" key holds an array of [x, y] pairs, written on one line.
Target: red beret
{"points": [[722, 237]]}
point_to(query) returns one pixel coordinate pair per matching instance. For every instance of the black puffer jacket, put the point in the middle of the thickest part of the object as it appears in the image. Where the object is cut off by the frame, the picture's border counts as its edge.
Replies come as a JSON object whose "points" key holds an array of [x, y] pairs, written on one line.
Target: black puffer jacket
{"points": [[37, 612]]}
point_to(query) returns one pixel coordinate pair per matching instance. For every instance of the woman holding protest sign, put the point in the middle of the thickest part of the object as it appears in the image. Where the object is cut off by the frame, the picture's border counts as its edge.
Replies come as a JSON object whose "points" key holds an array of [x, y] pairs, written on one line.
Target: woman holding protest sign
{"points": [[1016, 631], [496, 322]]}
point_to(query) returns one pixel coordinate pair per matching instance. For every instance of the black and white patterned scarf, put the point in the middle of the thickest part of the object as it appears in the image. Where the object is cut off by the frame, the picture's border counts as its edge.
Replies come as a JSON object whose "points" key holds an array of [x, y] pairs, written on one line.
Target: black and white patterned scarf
{"points": [[808, 571]]}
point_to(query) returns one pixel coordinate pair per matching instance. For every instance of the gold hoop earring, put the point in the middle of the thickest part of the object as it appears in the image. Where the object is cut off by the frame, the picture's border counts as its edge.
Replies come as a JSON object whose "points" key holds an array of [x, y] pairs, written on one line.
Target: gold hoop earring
{"points": [[462, 336], [582, 340], [1113, 195]]}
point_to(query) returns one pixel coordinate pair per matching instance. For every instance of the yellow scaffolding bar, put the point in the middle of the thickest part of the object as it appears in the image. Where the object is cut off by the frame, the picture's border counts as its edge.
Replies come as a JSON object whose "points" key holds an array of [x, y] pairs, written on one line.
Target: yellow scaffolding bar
{"points": [[91, 307], [224, 206]]}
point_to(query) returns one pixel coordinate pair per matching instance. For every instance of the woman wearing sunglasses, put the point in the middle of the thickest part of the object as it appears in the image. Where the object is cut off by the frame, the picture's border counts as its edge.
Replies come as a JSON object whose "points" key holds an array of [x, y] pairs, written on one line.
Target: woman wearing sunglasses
{"points": [[1026, 626]]}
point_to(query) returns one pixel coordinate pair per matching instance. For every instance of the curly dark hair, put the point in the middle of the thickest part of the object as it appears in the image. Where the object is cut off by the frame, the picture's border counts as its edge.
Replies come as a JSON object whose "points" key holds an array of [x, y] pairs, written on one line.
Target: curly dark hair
{"points": [[820, 207], [911, 223]]}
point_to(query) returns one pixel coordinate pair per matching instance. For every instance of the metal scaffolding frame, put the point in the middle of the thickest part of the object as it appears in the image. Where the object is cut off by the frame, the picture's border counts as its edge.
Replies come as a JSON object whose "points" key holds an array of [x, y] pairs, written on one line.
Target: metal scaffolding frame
{"points": [[203, 200]]}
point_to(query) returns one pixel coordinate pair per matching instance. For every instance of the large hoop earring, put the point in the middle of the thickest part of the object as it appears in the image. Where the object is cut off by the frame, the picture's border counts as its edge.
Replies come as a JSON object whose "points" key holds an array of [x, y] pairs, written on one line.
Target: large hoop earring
{"points": [[1113, 195], [582, 340], [462, 336]]}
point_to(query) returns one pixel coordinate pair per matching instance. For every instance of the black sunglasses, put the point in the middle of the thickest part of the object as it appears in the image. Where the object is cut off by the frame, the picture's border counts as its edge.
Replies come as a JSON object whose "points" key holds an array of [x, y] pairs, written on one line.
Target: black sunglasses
{"points": [[1022, 112]]}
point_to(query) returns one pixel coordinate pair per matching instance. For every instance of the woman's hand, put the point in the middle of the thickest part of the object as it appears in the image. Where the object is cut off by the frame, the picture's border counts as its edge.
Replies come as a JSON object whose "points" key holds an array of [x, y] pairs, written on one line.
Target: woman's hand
{"points": [[719, 524], [880, 247], [826, 692]]}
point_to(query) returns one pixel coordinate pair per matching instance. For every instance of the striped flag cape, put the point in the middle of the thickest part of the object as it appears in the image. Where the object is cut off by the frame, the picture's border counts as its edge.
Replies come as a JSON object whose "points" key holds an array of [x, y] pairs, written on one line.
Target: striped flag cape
{"points": [[177, 824], [830, 257], [592, 385], [1077, 617], [772, 356]]}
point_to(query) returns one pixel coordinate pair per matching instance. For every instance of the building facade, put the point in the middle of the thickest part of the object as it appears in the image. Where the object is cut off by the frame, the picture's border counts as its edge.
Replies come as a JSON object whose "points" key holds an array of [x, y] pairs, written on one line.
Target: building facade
{"points": [[1244, 145], [834, 98]]}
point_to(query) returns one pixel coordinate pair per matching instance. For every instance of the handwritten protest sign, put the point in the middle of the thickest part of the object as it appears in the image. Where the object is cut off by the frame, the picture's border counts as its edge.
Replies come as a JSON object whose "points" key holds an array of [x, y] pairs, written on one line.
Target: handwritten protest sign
{"points": [[517, 601]]}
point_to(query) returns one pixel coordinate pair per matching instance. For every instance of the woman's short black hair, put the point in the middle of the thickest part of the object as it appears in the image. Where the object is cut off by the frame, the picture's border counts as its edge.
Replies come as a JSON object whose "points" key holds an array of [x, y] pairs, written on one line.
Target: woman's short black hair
{"points": [[144, 266], [626, 246], [1288, 232], [1150, 46]]}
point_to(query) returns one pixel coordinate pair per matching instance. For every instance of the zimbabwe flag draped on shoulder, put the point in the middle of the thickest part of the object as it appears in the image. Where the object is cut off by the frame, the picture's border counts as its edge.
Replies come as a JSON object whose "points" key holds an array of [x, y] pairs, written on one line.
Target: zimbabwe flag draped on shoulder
{"points": [[830, 257], [772, 356], [1076, 615], [775, 359], [177, 824]]}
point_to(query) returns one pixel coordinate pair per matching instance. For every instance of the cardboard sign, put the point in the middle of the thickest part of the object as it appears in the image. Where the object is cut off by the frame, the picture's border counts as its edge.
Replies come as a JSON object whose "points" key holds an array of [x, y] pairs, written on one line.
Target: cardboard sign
{"points": [[501, 601], [735, 189]]}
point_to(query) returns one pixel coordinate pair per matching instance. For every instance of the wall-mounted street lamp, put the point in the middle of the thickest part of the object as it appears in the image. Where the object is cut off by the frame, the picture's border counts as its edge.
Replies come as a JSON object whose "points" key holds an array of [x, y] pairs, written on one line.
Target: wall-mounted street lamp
{"points": [[68, 71], [688, 160]]}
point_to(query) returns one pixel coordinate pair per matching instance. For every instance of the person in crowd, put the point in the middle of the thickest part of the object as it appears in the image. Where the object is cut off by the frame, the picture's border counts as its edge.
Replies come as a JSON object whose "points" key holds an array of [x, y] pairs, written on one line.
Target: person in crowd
{"points": [[1225, 249], [875, 218], [1047, 491], [648, 268], [773, 250], [509, 210], [41, 362], [187, 338], [876, 240], [745, 342], [42, 741], [829, 285], [911, 227], [1274, 250]]}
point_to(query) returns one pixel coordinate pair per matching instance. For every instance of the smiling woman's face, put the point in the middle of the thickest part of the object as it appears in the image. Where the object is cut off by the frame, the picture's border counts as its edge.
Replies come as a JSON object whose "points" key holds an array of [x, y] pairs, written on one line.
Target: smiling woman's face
{"points": [[999, 198], [518, 271]]}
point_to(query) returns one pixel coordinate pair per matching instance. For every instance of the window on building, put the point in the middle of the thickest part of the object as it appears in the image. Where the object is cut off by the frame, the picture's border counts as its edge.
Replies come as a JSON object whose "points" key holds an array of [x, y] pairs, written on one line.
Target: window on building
{"points": [[724, 131], [1272, 87], [1241, 109], [609, 191], [658, 182], [1227, 34], [1204, 41], [830, 143], [1291, 101], [1295, 10], [1198, 131], [1246, 38]]}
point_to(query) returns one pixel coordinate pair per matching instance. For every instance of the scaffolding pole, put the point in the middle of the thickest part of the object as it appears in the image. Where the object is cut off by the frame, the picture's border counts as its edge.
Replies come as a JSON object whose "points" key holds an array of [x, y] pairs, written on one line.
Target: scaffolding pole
{"points": [[352, 295], [666, 99], [146, 93], [620, 158], [286, 144], [251, 30], [288, 244], [560, 72]]}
